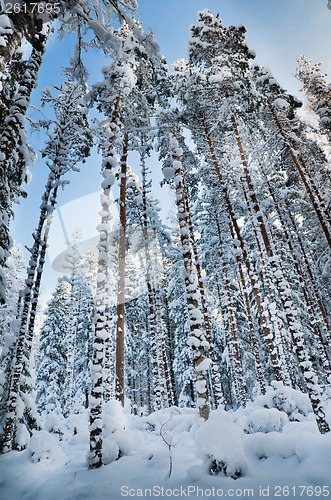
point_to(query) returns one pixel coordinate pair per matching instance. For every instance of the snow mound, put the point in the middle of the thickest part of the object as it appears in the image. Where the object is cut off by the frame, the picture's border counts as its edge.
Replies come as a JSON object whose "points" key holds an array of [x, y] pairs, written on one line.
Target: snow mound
{"points": [[44, 448], [262, 420], [294, 403], [54, 422], [221, 442], [118, 439], [22, 437]]}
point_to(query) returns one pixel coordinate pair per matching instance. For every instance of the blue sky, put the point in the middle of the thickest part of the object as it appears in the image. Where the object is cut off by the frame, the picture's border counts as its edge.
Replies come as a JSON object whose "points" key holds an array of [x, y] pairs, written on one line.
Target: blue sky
{"points": [[279, 31]]}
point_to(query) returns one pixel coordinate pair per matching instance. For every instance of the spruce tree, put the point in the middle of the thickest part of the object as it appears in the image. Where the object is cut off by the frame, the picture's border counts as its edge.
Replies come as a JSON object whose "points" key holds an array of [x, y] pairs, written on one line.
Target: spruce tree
{"points": [[51, 360]]}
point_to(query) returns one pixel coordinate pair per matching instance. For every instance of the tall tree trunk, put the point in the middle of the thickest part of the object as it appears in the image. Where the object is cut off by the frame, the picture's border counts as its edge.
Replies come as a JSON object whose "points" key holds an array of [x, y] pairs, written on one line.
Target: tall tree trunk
{"points": [[12, 140], [24, 341], [102, 304], [72, 344], [311, 278], [215, 376], [150, 290], [304, 285], [255, 347], [233, 347], [160, 324], [314, 391], [96, 398], [107, 382], [240, 248], [197, 340], [270, 303], [47, 217], [171, 344], [119, 381], [320, 215]]}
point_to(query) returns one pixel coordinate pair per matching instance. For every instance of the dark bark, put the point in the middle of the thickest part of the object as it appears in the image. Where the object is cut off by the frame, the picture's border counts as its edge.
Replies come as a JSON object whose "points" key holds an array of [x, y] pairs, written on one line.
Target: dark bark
{"points": [[253, 281], [119, 366]]}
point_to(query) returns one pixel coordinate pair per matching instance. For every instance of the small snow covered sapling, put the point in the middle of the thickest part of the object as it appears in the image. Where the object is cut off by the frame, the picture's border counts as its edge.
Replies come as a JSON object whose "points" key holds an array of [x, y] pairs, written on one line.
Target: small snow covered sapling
{"points": [[168, 437]]}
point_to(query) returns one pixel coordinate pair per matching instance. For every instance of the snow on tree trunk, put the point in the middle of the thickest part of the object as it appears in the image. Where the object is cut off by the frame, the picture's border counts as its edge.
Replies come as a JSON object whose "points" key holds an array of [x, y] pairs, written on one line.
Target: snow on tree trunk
{"points": [[161, 328], [150, 289], [108, 365], [311, 278], [120, 325], [295, 329], [96, 397], [25, 24], [319, 213], [197, 339], [240, 248], [74, 266], [13, 142], [37, 284], [311, 305], [24, 343], [232, 341], [67, 146], [242, 283], [215, 376], [102, 302], [270, 303]]}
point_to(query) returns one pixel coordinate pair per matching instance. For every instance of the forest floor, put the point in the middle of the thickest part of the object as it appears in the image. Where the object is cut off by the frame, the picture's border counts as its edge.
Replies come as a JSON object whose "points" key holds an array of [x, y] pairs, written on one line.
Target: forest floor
{"points": [[272, 444]]}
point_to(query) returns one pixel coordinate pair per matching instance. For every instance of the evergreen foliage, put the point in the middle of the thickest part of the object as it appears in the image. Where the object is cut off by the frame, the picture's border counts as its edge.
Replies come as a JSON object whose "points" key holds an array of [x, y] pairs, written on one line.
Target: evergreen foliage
{"points": [[231, 299]]}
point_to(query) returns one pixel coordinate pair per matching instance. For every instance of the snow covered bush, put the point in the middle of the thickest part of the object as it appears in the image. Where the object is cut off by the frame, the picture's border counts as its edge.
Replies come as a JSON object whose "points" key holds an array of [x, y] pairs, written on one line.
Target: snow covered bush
{"points": [[22, 437], [54, 422], [272, 411], [221, 442], [117, 439], [44, 448], [261, 420], [285, 399]]}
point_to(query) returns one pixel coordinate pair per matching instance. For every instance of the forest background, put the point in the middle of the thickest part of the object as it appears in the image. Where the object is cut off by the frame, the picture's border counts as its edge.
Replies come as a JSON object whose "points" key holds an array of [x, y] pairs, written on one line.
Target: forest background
{"points": [[278, 32]]}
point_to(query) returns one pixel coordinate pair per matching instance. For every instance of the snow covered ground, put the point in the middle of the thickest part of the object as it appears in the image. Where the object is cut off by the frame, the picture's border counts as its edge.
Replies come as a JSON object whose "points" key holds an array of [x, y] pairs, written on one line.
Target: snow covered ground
{"points": [[273, 445]]}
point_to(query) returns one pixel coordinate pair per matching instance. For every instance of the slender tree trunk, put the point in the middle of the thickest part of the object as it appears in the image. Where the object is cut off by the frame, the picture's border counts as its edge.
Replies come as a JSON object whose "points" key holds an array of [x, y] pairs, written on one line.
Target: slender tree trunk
{"points": [[102, 305], [96, 398], [52, 197], [305, 364], [12, 139], [319, 213], [237, 371], [24, 341], [215, 376], [72, 344], [304, 286], [160, 324], [270, 303], [107, 370], [147, 236], [255, 348], [316, 190], [119, 381], [171, 344], [153, 335], [197, 340], [240, 248], [311, 277]]}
